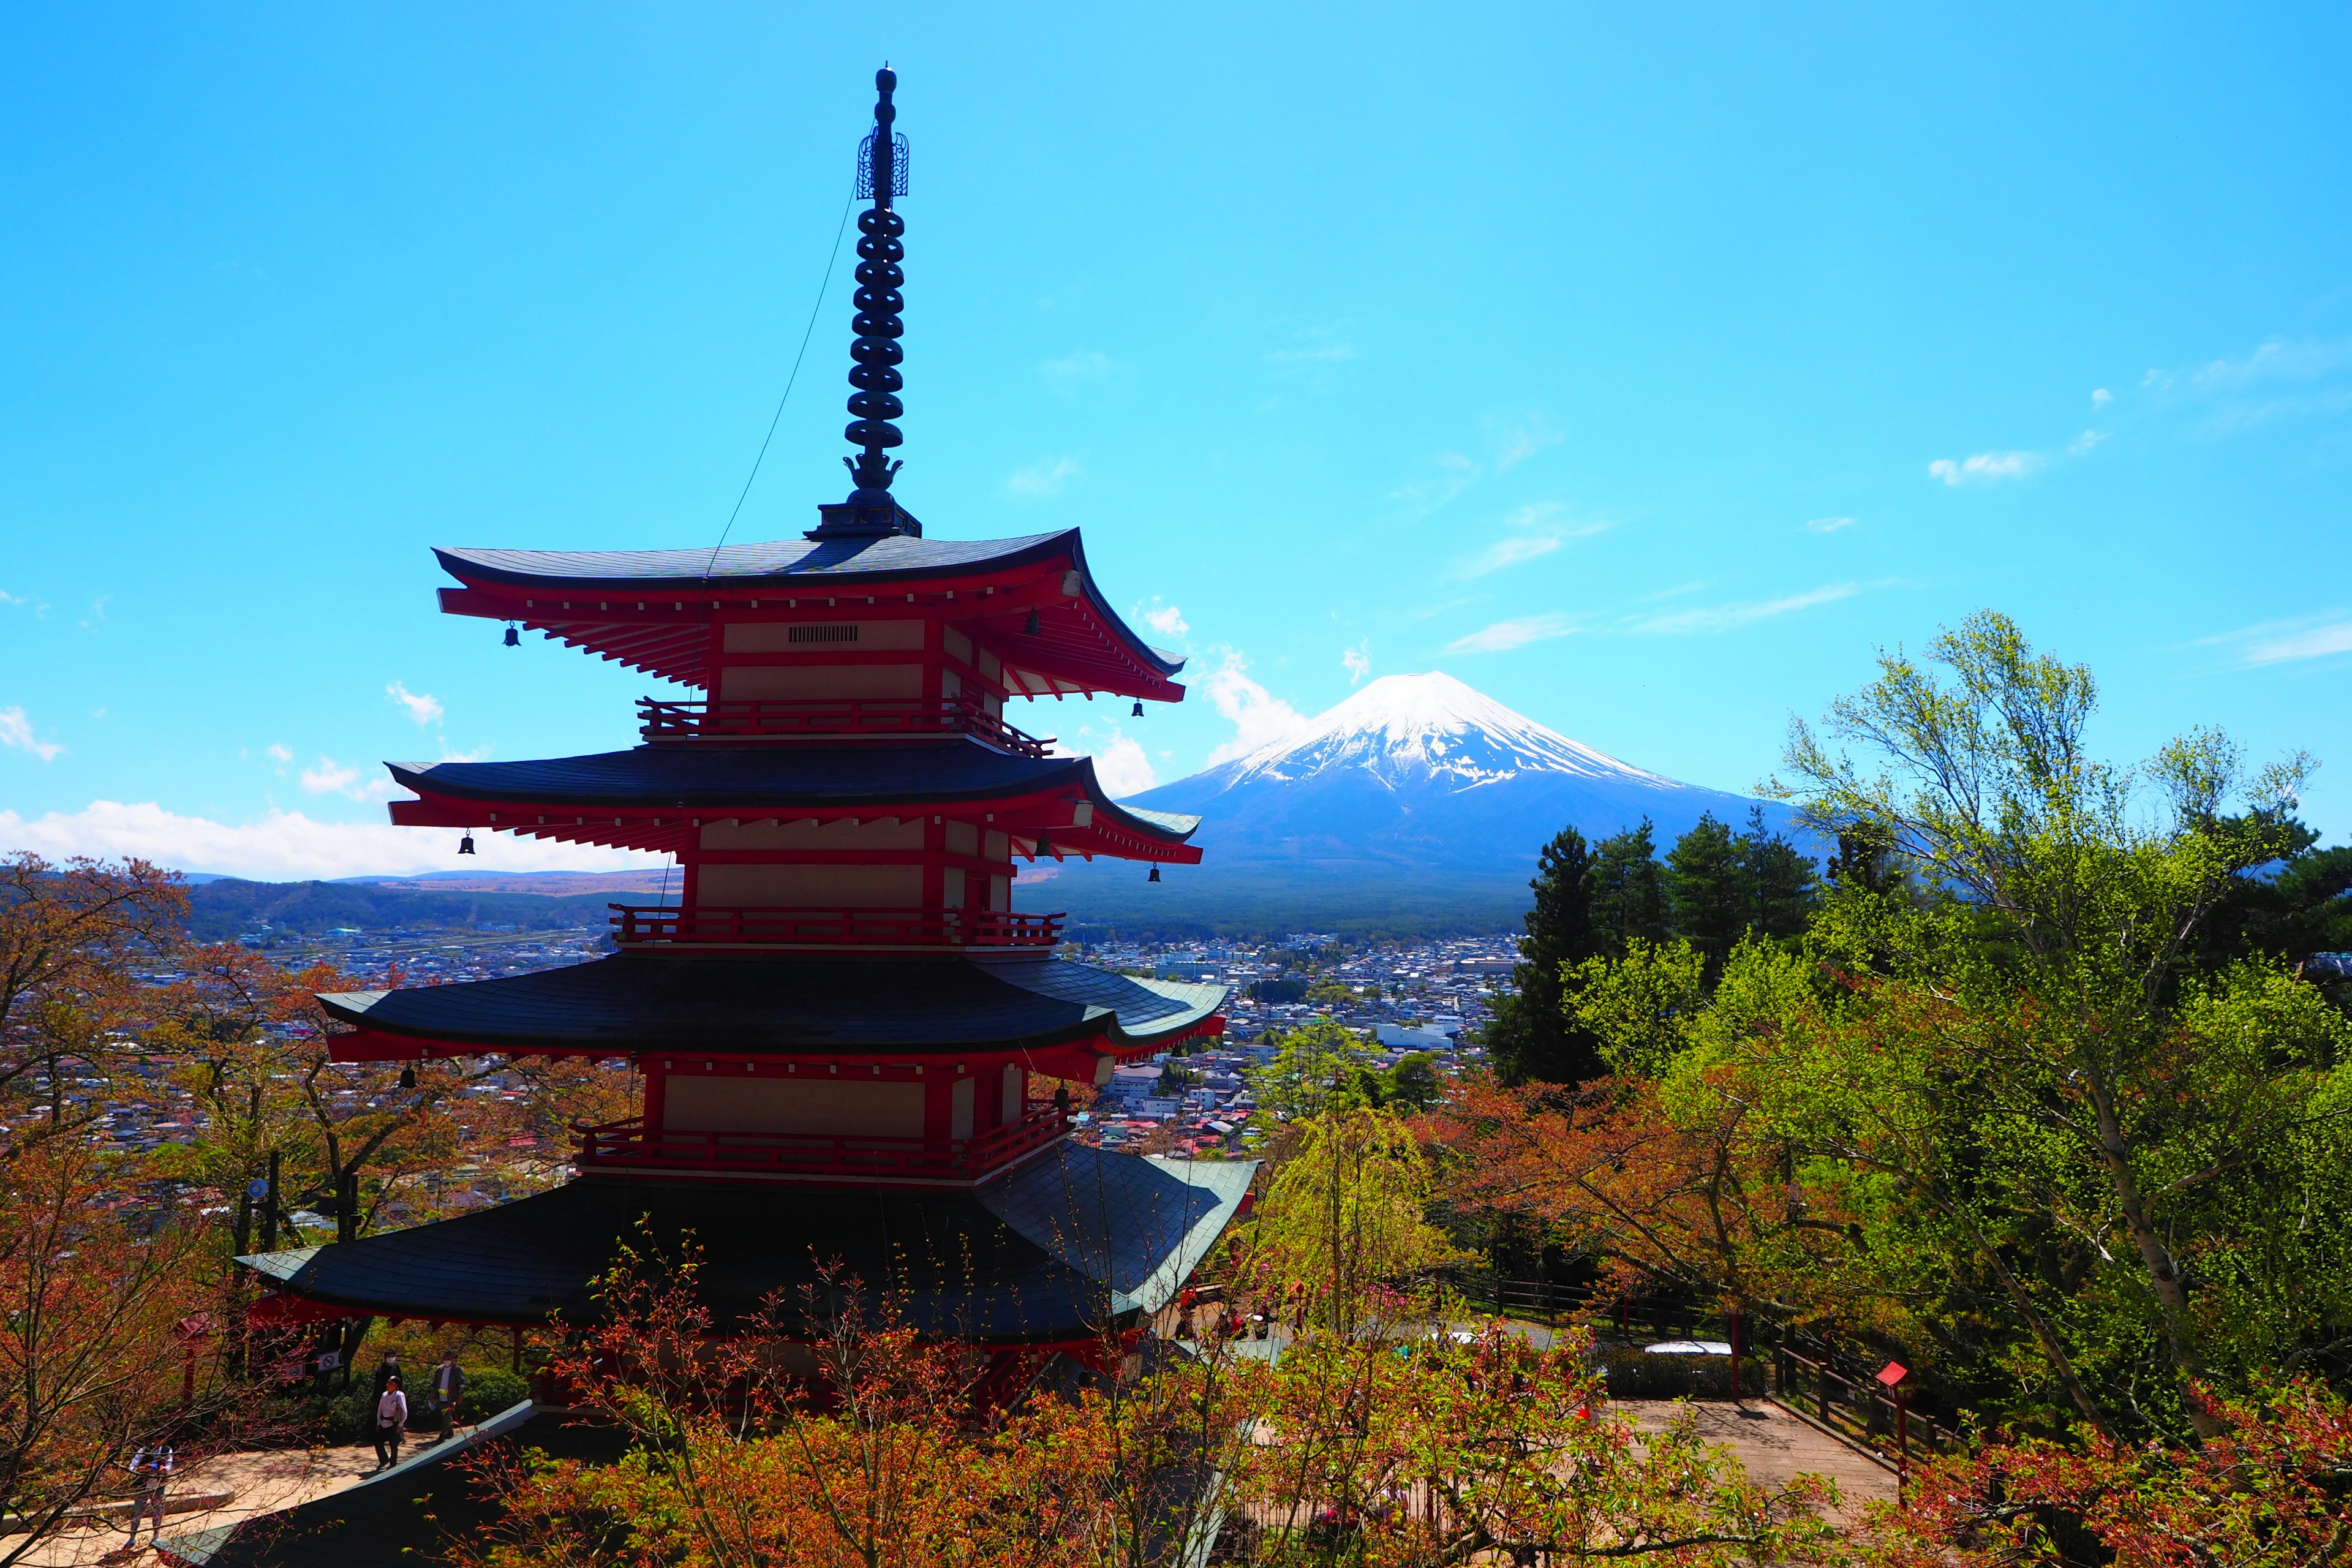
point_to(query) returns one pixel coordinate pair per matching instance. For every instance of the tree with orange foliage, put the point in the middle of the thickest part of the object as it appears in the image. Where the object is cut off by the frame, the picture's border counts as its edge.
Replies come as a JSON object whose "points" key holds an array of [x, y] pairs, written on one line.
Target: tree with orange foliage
{"points": [[69, 937]]}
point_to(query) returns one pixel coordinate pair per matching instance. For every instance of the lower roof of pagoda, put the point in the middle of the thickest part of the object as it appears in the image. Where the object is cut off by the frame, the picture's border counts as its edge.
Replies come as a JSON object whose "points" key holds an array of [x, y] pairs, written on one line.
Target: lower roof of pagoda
{"points": [[802, 1004], [1039, 1255], [619, 795]]}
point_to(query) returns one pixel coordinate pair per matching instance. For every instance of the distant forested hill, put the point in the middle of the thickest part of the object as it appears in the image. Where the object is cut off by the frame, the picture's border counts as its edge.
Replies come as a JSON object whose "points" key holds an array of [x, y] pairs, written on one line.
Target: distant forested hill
{"points": [[227, 909]]}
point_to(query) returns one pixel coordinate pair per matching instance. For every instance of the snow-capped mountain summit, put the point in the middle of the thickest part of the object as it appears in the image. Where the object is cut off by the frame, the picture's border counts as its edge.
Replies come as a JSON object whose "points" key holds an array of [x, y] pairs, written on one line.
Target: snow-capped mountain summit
{"points": [[1416, 792], [1413, 729]]}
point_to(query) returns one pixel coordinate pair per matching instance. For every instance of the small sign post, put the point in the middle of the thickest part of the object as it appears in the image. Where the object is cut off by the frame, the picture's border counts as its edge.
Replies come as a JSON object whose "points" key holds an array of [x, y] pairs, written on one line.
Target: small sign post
{"points": [[1891, 1377]]}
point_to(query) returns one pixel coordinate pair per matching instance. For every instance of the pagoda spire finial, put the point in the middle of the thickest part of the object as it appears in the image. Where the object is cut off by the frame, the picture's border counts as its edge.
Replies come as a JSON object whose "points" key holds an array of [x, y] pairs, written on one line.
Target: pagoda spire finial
{"points": [[881, 176]]}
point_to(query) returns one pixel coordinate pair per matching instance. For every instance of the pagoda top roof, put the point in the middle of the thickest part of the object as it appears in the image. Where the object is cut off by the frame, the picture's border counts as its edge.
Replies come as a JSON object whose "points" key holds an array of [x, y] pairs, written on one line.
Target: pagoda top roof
{"points": [[1039, 1255], [647, 787], [799, 1004], [779, 563], [651, 608]]}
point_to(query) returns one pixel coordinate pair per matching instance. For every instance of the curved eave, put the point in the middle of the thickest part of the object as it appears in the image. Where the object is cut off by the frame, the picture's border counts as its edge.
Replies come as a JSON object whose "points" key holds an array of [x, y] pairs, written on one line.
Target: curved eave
{"points": [[659, 810], [1059, 1016], [653, 610]]}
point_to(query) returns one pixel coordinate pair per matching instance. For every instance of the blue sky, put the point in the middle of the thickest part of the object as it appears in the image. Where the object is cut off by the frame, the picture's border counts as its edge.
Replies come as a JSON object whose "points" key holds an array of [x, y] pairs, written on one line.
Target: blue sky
{"points": [[1644, 368]]}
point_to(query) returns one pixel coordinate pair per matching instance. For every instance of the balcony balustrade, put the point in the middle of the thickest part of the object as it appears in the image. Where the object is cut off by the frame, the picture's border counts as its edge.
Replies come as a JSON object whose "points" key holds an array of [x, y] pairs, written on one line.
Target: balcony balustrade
{"points": [[869, 718], [632, 1145], [660, 925]]}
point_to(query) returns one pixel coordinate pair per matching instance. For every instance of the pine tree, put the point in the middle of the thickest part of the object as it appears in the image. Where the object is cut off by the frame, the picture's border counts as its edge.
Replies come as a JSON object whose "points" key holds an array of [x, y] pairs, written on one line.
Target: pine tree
{"points": [[1628, 890], [1531, 1037], [1708, 892], [1779, 878]]}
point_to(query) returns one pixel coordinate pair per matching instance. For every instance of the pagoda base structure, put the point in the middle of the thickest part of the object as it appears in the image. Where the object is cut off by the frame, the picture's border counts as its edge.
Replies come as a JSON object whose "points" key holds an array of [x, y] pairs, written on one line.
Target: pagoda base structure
{"points": [[1065, 1247]]}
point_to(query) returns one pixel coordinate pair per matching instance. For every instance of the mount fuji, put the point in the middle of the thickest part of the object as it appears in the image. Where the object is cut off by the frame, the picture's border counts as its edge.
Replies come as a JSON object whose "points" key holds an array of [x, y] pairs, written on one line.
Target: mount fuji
{"points": [[1415, 793]]}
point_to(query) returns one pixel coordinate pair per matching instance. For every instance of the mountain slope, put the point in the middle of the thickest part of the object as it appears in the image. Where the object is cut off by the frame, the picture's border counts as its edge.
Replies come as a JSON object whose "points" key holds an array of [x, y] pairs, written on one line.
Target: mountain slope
{"points": [[1417, 781]]}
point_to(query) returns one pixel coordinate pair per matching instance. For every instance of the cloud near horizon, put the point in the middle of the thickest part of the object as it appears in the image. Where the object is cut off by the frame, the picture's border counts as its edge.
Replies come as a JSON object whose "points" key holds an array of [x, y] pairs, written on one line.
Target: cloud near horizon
{"points": [[287, 846], [1259, 718]]}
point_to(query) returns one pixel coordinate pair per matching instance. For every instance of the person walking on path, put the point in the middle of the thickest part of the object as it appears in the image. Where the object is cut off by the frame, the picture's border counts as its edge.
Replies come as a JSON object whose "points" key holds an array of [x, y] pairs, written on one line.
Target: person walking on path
{"points": [[391, 1423], [448, 1387], [385, 1370], [151, 1473]]}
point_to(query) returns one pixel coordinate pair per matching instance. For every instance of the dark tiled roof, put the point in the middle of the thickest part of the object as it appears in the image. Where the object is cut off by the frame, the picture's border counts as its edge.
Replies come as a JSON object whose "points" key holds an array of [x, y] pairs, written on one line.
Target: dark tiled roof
{"points": [[640, 1002], [712, 777], [778, 561], [829, 566], [1039, 1255]]}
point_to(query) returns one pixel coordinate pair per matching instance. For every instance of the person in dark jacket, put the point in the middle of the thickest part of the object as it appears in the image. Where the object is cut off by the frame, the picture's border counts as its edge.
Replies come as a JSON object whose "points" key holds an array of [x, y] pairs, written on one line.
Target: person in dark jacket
{"points": [[386, 1370], [448, 1387]]}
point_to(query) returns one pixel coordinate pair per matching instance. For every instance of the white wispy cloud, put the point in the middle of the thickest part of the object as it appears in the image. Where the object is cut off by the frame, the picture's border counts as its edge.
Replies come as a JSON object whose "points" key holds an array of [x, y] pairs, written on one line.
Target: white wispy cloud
{"points": [[281, 754], [1828, 524], [1455, 473], [16, 733], [1984, 466], [285, 846], [1357, 660], [1045, 477], [328, 777], [2084, 442], [1258, 717], [1166, 619], [1083, 366], [1515, 443], [423, 709], [2101, 397], [1504, 636], [2278, 359], [1727, 617], [1120, 760], [1315, 353], [2285, 642], [1538, 530]]}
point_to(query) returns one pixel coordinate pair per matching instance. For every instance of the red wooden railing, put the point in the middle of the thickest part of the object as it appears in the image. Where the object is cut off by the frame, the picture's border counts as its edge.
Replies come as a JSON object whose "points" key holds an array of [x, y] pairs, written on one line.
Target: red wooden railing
{"points": [[783, 718], [631, 1144], [660, 925]]}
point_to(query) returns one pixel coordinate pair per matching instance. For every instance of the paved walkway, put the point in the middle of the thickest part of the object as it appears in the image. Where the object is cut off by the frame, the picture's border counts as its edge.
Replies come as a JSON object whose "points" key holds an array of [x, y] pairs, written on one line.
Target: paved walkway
{"points": [[263, 1482], [1777, 1448]]}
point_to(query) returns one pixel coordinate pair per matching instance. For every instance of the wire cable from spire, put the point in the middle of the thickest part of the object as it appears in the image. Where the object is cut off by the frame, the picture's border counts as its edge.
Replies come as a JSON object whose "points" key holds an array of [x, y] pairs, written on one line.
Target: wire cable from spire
{"points": [[832, 260]]}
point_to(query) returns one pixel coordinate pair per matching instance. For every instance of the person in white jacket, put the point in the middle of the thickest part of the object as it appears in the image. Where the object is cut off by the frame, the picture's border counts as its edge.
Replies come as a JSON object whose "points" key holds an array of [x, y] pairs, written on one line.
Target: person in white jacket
{"points": [[391, 1423]]}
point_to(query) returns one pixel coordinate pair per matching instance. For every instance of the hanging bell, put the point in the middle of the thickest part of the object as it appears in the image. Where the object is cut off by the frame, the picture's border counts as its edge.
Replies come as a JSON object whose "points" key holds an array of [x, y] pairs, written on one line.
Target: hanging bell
{"points": [[1044, 848], [1155, 875], [514, 637], [408, 1077], [1139, 707], [1030, 626], [466, 845]]}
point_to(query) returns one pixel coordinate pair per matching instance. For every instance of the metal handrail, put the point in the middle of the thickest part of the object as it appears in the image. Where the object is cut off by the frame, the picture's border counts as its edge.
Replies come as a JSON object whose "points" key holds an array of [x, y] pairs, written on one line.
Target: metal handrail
{"points": [[631, 1144], [666, 925], [661, 721]]}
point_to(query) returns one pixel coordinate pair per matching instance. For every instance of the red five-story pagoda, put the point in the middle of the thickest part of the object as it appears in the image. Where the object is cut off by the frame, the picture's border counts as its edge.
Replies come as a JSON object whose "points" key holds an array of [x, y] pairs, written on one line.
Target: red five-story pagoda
{"points": [[841, 1025]]}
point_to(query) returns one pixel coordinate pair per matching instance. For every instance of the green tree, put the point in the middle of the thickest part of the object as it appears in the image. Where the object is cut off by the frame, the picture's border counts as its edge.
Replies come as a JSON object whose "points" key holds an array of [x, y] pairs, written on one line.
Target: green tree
{"points": [[1707, 893], [1531, 1038], [1312, 1065], [2106, 1134], [1628, 889], [1779, 881]]}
